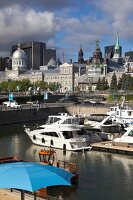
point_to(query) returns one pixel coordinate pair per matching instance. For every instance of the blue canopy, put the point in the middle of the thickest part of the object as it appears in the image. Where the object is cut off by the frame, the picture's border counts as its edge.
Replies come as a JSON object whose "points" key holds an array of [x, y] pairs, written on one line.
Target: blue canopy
{"points": [[32, 176]]}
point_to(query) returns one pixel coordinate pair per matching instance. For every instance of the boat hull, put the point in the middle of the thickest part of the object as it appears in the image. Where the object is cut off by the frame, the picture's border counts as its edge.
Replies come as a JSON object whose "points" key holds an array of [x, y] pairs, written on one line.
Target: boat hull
{"points": [[59, 143]]}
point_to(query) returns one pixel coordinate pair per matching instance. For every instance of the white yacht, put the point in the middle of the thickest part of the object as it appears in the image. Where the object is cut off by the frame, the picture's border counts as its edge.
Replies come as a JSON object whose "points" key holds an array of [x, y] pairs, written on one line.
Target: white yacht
{"points": [[126, 138], [106, 129], [103, 122], [60, 131], [121, 114]]}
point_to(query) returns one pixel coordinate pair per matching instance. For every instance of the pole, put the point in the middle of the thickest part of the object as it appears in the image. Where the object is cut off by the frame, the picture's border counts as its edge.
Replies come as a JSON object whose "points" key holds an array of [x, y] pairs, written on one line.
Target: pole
{"points": [[35, 196], [22, 195]]}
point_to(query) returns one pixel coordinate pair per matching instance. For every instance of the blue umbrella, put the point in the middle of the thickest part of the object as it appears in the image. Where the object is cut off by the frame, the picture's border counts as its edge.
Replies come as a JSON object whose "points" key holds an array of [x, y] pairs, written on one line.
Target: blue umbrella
{"points": [[32, 176]]}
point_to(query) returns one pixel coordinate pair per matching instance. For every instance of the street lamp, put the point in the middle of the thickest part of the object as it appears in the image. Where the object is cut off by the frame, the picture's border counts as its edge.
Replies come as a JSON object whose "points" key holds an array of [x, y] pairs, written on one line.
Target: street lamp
{"points": [[18, 88]]}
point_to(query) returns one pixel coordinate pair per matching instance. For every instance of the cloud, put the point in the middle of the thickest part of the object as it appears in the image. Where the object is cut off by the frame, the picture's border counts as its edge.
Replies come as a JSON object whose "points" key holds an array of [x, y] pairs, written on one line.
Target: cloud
{"points": [[65, 24], [83, 31], [38, 4], [119, 15], [27, 24]]}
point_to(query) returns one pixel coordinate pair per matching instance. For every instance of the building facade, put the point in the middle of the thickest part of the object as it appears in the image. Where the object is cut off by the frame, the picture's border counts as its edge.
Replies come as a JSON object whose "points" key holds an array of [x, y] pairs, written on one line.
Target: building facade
{"points": [[97, 66], [67, 77]]}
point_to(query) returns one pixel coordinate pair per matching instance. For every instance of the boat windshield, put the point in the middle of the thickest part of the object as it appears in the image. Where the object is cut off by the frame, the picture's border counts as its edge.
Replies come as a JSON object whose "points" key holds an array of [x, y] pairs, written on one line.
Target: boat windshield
{"points": [[130, 133], [68, 134], [52, 120], [71, 121]]}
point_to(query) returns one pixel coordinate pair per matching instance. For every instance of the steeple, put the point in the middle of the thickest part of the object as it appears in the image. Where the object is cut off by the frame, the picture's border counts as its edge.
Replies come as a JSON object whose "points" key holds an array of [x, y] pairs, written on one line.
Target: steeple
{"points": [[80, 56], [97, 54], [117, 41], [117, 51], [117, 46], [97, 46]]}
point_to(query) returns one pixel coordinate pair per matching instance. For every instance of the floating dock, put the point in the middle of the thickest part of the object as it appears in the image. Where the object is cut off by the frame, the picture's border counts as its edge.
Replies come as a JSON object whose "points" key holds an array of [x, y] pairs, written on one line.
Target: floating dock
{"points": [[109, 146]]}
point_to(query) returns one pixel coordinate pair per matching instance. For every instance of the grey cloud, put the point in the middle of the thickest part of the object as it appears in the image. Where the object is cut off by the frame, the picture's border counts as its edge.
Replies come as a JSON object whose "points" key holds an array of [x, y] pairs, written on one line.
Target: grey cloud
{"points": [[44, 4], [28, 25], [119, 15]]}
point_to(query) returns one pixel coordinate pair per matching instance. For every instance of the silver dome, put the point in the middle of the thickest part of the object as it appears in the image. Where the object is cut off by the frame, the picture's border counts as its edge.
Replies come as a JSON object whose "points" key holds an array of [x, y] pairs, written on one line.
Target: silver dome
{"points": [[52, 62], [19, 54]]}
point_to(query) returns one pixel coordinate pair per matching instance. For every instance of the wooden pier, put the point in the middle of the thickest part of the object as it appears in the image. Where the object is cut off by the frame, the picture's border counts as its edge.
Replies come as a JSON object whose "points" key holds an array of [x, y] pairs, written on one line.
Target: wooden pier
{"points": [[109, 146]]}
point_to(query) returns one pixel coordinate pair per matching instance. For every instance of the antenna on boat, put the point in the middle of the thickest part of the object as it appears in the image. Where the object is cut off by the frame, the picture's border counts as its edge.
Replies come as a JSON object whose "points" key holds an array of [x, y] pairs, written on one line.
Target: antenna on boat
{"points": [[123, 101]]}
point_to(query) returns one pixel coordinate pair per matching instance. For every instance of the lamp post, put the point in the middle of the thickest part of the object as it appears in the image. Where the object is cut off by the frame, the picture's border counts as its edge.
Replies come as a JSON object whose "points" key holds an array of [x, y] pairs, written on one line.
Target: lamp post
{"points": [[18, 88]]}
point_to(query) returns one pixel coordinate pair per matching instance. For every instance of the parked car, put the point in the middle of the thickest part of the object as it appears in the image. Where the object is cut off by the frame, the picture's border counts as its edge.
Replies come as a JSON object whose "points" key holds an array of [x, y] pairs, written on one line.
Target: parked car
{"points": [[34, 104], [11, 104]]}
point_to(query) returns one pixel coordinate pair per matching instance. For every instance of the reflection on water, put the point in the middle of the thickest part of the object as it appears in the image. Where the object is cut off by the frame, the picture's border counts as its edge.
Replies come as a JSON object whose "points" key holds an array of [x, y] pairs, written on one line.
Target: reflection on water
{"points": [[102, 176]]}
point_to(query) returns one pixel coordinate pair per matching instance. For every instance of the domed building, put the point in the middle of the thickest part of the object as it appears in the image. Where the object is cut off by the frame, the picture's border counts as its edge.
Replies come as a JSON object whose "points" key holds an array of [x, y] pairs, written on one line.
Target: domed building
{"points": [[19, 60], [19, 64], [52, 63]]}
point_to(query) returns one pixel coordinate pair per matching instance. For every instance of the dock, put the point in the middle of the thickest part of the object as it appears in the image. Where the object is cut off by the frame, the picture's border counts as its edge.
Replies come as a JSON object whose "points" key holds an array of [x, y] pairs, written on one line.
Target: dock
{"points": [[109, 146]]}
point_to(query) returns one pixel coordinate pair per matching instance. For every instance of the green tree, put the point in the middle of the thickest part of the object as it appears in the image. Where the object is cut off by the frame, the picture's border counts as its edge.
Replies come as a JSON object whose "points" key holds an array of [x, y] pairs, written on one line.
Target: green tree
{"points": [[113, 84], [53, 86], [99, 84], [24, 84], [104, 84], [119, 86]]}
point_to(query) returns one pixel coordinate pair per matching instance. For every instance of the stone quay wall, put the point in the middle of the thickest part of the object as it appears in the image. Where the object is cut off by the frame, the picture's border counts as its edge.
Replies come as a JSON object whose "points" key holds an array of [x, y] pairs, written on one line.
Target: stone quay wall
{"points": [[27, 115], [33, 114], [87, 110]]}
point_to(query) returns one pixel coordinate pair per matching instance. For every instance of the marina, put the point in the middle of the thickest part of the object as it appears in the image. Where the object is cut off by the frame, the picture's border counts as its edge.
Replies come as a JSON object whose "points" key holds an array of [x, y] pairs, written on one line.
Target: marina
{"points": [[66, 100], [92, 166]]}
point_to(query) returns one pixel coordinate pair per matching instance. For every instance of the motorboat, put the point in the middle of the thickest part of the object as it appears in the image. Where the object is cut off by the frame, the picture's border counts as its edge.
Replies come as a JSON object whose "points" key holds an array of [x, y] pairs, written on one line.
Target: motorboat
{"points": [[126, 138], [121, 114], [106, 129], [103, 122], [92, 135], [48, 157], [60, 131]]}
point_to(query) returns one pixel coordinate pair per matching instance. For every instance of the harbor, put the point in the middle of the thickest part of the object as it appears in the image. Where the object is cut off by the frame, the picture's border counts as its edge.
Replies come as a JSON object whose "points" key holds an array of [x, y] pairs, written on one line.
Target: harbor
{"points": [[92, 166], [88, 152]]}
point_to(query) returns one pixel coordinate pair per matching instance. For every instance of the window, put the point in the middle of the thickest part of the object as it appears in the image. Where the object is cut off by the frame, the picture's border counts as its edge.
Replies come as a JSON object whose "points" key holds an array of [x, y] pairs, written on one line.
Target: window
{"points": [[52, 120], [67, 134], [130, 133], [52, 134], [117, 112]]}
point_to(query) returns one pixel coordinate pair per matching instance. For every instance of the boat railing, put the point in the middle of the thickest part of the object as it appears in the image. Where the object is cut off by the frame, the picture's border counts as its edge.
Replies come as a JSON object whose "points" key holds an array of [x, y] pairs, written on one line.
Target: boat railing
{"points": [[71, 167]]}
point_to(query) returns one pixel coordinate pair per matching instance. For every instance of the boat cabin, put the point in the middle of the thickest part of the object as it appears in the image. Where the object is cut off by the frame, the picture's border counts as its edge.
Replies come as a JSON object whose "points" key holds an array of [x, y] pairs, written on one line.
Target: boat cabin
{"points": [[47, 156]]}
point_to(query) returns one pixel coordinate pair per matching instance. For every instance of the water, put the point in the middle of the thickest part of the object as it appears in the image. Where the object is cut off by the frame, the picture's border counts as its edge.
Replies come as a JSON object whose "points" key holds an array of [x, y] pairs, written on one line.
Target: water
{"points": [[102, 176]]}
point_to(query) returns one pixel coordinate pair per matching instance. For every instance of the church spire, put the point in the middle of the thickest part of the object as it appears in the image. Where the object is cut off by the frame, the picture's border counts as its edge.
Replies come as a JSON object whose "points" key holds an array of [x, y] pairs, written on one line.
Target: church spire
{"points": [[117, 46], [80, 56], [117, 41]]}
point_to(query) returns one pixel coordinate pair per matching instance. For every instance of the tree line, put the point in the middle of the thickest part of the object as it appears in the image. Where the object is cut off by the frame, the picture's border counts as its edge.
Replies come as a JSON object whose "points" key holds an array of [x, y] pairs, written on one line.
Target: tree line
{"points": [[25, 84], [124, 83]]}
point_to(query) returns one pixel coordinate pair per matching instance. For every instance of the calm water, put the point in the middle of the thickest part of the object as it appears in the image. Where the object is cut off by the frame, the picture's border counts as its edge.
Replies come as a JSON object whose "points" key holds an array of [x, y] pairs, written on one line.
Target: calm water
{"points": [[103, 176]]}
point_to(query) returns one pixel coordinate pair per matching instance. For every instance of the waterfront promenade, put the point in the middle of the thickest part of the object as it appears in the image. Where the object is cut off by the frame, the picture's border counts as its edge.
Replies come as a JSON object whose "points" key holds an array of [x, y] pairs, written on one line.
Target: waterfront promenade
{"points": [[6, 194]]}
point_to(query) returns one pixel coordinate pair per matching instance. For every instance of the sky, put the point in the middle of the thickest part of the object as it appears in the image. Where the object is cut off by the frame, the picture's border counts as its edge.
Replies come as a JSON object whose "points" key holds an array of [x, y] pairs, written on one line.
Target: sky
{"points": [[65, 25]]}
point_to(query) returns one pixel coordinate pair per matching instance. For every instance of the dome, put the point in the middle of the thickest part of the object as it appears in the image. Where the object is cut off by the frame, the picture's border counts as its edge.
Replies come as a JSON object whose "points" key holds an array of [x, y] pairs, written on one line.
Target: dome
{"points": [[52, 62], [19, 54]]}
